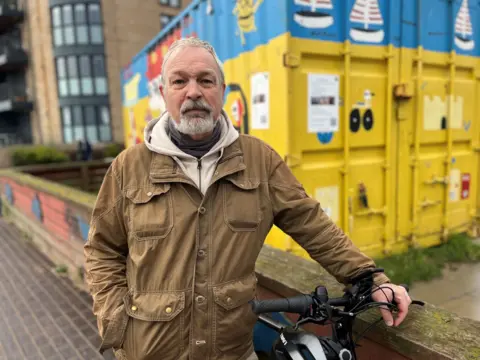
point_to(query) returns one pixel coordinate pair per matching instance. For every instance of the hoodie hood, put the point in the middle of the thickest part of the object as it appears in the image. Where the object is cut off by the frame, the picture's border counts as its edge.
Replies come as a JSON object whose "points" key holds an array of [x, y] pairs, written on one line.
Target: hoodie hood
{"points": [[157, 138]]}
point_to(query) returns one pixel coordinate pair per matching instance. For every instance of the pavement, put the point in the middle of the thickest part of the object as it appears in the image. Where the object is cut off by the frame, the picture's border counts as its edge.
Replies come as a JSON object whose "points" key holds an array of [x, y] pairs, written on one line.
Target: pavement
{"points": [[42, 315], [458, 290]]}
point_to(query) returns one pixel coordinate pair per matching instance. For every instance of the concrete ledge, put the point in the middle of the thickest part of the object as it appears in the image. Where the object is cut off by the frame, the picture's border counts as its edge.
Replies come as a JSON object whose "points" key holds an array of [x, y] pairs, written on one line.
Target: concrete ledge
{"points": [[427, 333]]}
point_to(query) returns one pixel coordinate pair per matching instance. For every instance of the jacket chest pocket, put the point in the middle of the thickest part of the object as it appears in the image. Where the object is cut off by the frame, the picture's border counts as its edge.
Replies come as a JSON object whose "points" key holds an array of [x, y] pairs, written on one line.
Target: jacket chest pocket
{"points": [[150, 212], [241, 205]]}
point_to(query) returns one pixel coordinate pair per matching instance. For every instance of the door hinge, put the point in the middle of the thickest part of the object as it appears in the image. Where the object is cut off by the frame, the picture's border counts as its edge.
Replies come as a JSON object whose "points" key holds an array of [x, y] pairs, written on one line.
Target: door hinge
{"points": [[290, 60]]}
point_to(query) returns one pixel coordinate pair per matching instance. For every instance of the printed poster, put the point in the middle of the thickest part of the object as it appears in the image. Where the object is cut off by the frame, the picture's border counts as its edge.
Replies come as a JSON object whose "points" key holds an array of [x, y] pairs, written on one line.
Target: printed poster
{"points": [[260, 100], [323, 103]]}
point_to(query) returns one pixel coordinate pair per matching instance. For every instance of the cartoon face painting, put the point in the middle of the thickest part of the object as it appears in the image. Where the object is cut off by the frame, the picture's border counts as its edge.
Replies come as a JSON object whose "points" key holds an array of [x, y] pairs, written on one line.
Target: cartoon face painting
{"points": [[245, 11]]}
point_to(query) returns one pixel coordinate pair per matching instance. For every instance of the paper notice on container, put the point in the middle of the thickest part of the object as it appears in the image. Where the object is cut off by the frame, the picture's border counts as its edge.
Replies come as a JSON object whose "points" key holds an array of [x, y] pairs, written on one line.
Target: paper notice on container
{"points": [[323, 103], [260, 100]]}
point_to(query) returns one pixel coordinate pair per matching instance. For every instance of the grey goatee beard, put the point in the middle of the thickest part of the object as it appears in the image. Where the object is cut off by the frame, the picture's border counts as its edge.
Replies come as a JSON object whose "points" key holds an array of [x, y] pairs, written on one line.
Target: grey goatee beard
{"points": [[195, 124]]}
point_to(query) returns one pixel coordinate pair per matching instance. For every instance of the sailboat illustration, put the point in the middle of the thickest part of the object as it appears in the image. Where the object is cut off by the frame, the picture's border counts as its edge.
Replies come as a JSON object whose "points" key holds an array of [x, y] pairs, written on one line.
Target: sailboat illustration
{"points": [[313, 19], [366, 12], [463, 28]]}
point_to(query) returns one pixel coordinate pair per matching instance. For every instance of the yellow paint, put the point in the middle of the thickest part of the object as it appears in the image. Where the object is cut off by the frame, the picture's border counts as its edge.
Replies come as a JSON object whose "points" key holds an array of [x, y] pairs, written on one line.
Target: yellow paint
{"points": [[245, 11], [406, 161], [435, 109]]}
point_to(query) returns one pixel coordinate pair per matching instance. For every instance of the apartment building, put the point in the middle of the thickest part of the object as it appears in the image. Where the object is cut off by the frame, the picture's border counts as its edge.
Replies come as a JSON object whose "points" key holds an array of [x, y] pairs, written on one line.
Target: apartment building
{"points": [[60, 65]]}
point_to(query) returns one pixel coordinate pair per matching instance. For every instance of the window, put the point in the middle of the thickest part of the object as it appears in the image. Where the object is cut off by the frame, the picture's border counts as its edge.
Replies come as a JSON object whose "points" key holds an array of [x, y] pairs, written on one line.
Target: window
{"points": [[83, 75], [77, 24], [99, 75], [104, 124], [78, 128], [86, 122], [62, 77], [67, 17], [91, 127], [172, 3], [67, 125], [57, 26], [81, 27], [86, 75], [95, 21], [164, 20], [73, 78]]}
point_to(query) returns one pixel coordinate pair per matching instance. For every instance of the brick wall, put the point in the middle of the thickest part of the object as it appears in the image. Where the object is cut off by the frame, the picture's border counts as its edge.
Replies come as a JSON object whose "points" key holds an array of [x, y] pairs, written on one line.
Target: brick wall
{"points": [[128, 27], [41, 77]]}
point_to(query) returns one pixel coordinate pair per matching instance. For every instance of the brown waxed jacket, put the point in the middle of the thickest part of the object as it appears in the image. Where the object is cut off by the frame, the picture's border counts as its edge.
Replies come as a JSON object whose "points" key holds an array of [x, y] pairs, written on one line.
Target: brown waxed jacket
{"points": [[171, 271]]}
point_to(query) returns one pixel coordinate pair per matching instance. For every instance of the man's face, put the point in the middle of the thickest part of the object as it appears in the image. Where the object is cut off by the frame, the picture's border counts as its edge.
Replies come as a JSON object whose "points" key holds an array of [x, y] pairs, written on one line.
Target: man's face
{"points": [[193, 91]]}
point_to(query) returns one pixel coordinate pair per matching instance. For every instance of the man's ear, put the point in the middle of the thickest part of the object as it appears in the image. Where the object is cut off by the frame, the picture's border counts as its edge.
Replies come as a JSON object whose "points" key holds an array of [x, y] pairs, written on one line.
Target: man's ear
{"points": [[162, 89]]}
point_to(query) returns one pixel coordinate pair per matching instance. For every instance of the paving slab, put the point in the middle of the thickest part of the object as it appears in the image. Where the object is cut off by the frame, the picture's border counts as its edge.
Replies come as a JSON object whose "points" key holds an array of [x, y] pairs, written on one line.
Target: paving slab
{"points": [[42, 315]]}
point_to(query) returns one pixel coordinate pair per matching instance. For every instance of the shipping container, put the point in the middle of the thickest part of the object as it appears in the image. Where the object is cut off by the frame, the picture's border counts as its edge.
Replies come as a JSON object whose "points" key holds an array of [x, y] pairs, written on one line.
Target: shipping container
{"points": [[372, 103]]}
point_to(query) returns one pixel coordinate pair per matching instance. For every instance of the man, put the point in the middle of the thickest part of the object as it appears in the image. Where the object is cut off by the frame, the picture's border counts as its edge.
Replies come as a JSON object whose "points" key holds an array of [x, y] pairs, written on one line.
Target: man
{"points": [[180, 220]]}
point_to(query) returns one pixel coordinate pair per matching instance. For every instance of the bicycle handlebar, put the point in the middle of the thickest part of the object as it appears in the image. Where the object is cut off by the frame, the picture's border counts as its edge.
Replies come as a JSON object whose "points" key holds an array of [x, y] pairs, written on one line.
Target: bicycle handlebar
{"points": [[298, 304]]}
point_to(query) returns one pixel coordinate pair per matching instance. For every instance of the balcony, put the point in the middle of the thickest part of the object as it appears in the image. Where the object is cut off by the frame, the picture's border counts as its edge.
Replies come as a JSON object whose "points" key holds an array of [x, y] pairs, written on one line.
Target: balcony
{"points": [[12, 58], [14, 99], [10, 14]]}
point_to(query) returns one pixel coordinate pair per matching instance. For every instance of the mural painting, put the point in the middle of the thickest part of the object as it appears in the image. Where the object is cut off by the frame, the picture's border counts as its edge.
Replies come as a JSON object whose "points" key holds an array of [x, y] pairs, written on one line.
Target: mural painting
{"points": [[308, 15], [55, 215], [236, 107], [362, 113], [463, 28], [367, 22], [245, 11]]}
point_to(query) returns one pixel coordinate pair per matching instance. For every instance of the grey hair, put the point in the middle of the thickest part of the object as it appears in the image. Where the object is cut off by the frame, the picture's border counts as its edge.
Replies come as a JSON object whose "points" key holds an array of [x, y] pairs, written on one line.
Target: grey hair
{"points": [[192, 42]]}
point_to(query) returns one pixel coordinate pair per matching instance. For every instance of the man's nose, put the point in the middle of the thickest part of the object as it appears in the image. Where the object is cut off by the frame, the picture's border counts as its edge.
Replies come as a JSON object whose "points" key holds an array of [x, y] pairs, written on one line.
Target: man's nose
{"points": [[193, 90]]}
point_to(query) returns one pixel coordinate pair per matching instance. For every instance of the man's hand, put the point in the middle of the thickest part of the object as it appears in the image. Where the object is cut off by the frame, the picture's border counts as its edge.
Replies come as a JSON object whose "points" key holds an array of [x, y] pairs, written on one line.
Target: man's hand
{"points": [[388, 292]]}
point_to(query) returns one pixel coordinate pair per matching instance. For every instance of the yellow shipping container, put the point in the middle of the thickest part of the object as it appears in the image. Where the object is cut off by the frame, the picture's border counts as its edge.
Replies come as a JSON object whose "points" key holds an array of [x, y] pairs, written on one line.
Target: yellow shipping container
{"points": [[373, 107]]}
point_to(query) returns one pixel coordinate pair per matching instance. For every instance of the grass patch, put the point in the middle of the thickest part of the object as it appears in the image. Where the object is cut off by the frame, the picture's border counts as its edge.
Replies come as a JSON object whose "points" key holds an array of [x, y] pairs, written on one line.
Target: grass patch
{"points": [[427, 264]]}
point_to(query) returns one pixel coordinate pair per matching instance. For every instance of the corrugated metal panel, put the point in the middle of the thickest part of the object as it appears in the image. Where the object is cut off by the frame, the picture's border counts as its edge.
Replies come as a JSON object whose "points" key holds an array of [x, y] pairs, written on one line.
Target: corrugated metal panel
{"points": [[395, 164]]}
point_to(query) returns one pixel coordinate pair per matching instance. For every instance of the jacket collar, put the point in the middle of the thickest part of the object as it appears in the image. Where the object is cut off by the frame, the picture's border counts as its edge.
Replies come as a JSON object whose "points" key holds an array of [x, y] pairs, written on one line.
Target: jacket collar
{"points": [[164, 168]]}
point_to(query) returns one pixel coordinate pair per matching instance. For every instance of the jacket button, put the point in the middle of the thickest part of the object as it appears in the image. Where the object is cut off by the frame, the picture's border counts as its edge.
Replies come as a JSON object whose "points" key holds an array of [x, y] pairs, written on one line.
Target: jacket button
{"points": [[229, 300], [134, 308], [149, 193], [168, 310], [200, 299]]}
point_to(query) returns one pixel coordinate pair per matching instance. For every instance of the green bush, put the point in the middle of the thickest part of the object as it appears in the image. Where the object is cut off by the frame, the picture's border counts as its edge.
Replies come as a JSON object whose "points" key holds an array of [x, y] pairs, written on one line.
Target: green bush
{"points": [[112, 150], [38, 155]]}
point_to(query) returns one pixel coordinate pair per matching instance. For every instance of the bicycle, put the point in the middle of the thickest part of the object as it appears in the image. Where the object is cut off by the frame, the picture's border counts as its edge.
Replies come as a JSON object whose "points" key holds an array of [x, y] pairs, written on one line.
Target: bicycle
{"points": [[294, 343]]}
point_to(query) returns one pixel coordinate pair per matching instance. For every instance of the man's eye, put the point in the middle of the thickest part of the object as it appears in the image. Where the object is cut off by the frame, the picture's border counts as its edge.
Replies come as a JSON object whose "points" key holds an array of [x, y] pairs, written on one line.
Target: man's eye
{"points": [[207, 81], [178, 82]]}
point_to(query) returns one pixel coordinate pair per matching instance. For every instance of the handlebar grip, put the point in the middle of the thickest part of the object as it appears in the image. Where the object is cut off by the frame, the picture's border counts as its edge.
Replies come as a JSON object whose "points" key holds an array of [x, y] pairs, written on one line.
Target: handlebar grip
{"points": [[297, 304]]}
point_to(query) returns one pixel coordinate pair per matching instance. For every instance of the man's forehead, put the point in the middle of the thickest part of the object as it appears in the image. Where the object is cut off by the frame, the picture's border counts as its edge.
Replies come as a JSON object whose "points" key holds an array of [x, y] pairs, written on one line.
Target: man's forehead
{"points": [[192, 71], [202, 59]]}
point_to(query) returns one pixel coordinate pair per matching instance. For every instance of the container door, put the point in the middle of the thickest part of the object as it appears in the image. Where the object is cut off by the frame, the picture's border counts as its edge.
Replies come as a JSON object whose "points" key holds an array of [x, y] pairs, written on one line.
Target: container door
{"points": [[438, 124], [341, 146], [437, 164]]}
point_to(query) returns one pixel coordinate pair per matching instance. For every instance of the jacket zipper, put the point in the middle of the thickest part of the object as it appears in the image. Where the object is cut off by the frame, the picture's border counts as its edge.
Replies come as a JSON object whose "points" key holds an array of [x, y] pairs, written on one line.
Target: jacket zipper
{"points": [[199, 167]]}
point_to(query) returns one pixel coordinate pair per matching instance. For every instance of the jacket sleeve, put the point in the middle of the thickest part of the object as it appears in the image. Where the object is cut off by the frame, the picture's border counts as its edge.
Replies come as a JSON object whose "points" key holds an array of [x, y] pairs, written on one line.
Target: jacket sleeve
{"points": [[105, 254], [302, 218]]}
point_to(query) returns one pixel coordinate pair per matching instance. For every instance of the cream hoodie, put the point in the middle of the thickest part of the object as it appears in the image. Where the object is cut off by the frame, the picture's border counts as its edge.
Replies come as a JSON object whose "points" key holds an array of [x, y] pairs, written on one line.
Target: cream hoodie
{"points": [[201, 170]]}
